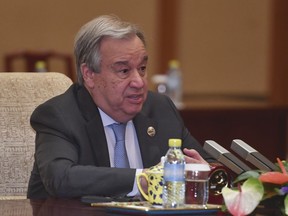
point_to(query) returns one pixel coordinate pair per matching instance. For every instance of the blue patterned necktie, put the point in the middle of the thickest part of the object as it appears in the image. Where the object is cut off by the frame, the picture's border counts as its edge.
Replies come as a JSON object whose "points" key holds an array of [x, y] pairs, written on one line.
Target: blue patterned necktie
{"points": [[120, 154]]}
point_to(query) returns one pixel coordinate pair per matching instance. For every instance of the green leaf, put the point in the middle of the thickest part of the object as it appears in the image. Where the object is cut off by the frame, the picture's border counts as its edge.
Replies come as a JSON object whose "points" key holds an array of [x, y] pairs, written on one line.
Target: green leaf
{"points": [[246, 175], [286, 204]]}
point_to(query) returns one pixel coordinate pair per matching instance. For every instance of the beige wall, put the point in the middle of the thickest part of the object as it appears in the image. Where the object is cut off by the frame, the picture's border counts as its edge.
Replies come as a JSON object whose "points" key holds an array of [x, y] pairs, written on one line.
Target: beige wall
{"points": [[37, 24], [223, 45]]}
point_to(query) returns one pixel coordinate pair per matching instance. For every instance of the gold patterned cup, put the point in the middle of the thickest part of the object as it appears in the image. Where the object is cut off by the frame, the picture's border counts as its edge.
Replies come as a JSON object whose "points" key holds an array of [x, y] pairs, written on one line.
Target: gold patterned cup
{"points": [[154, 177]]}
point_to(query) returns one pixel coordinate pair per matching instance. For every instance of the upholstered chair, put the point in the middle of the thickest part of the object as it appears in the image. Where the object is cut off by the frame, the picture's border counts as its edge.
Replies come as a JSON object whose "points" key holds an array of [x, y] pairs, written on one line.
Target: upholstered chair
{"points": [[20, 93]]}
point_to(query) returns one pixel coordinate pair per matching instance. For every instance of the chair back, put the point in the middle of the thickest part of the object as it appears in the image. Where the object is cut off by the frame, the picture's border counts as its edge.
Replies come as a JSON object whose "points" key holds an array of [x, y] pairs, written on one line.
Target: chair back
{"points": [[27, 60], [20, 93]]}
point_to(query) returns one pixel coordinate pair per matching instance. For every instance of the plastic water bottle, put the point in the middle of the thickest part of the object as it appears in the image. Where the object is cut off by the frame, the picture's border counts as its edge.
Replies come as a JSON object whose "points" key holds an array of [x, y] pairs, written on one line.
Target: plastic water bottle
{"points": [[40, 66], [174, 83], [174, 176], [160, 81]]}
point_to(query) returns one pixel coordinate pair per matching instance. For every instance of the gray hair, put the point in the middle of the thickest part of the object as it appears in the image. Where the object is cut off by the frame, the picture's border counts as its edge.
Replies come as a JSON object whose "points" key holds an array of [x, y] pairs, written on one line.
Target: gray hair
{"points": [[88, 40]]}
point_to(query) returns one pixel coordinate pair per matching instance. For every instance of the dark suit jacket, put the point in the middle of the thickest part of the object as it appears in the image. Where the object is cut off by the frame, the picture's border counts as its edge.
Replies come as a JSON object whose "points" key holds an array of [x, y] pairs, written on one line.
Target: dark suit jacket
{"points": [[72, 159]]}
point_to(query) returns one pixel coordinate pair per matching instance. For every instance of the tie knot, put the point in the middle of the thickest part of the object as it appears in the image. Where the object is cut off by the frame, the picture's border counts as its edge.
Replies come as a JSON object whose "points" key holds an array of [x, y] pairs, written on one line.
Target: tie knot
{"points": [[119, 131]]}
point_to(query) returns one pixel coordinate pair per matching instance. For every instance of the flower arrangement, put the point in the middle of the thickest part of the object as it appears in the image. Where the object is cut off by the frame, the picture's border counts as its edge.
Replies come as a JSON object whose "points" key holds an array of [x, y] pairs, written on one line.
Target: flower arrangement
{"points": [[256, 187]]}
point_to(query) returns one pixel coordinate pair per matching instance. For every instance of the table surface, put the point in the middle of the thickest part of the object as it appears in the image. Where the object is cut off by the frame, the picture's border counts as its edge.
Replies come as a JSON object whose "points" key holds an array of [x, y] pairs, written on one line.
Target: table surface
{"points": [[60, 207], [72, 207], [51, 207]]}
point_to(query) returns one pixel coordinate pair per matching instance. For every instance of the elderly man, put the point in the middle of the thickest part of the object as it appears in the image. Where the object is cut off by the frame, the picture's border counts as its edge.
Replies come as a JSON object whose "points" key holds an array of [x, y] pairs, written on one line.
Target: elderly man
{"points": [[76, 139]]}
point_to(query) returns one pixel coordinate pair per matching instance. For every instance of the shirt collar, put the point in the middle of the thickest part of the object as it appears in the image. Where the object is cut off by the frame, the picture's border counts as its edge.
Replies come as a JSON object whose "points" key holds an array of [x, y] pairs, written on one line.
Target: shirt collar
{"points": [[107, 120]]}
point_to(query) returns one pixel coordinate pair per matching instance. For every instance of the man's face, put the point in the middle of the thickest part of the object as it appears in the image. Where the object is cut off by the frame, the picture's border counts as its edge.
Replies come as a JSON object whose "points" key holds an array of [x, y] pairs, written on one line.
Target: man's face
{"points": [[120, 88]]}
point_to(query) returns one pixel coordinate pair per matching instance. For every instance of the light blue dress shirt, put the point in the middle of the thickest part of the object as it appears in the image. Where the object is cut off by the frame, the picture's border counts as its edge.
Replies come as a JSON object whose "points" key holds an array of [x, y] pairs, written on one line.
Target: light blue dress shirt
{"points": [[131, 144]]}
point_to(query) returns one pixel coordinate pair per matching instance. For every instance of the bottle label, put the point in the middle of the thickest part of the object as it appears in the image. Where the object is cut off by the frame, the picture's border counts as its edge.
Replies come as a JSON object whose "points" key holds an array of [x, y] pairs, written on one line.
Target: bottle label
{"points": [[174, 172]]}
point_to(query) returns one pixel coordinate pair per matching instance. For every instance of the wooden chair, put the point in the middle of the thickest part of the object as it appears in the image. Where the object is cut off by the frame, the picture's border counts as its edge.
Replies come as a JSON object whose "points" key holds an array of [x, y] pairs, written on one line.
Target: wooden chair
{"points": [[20, 93], [31, 58]]}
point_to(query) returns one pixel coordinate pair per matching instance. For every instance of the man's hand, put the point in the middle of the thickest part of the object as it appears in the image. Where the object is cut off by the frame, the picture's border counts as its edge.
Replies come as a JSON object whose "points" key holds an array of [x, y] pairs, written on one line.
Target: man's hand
{"points": [[192, 156]]}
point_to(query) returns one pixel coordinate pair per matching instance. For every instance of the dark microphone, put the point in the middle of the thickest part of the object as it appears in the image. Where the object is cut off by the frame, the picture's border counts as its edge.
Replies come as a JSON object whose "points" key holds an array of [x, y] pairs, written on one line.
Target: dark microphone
{"points": [[252, 155], [225, 157]]}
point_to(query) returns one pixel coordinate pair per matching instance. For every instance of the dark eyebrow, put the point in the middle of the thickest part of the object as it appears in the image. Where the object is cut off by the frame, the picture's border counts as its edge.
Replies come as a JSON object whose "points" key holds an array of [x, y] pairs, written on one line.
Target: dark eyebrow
{"points": [[145, 58]]}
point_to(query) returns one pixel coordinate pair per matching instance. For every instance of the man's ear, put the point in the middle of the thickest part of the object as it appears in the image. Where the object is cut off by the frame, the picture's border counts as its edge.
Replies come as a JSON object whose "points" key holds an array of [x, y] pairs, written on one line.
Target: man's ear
{"points": [[88, 75]]}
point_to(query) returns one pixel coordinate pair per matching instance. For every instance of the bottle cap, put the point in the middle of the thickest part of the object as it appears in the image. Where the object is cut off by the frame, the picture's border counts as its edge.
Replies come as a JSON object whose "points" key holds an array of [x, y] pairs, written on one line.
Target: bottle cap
{"points": [[175, 142], [174, 64], [40, 66]]}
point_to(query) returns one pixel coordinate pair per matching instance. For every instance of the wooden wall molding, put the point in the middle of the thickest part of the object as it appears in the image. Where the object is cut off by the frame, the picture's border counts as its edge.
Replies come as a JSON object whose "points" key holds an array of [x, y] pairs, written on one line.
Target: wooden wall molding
{"points": [[279, 54], [167, 32]]}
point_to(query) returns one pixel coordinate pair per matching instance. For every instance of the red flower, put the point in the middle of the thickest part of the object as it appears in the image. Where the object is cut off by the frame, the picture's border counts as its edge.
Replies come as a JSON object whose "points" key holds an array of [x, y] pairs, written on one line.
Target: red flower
{"points": [[275, 177]]}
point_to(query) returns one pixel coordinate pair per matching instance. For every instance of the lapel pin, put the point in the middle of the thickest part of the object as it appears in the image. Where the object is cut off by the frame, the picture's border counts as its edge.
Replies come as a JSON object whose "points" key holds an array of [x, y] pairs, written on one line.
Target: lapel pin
{"points": [[151, 131]]}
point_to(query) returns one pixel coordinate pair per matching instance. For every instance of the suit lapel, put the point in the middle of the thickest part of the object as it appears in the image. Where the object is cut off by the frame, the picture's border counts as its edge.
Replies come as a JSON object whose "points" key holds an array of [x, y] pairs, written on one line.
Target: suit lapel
{"points": [[148, 143], [98, 141], [94, 127]]}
